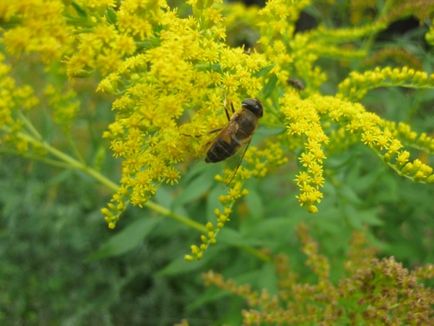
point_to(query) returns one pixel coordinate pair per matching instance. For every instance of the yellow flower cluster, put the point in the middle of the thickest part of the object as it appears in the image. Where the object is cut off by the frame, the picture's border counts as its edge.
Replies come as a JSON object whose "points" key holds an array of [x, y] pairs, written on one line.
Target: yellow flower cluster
{"points": [[112, 35], [341, 35], [256, 163], [374, 132], [358, 84], [151, 138], [315, 261], [302, 120], [245, 291], [276, 24], [394, 55], [63, 103], [169, 96], [237, 16], [42, 28], [422, 9], [138, 18], [361, 10], [295, 55], [421, 141], [336, 42], [278, 18], [14, 101], [340, 140], [359, 255], [425, 272]]}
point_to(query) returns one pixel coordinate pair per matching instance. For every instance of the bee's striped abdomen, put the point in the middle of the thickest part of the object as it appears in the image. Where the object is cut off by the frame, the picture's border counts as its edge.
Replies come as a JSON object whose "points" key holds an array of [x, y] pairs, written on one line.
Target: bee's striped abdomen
{"points": [[221, 150]]}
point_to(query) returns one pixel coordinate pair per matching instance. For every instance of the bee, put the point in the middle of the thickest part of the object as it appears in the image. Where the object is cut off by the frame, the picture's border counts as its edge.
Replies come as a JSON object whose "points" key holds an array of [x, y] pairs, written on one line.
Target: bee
{"points": [[238, 132]]}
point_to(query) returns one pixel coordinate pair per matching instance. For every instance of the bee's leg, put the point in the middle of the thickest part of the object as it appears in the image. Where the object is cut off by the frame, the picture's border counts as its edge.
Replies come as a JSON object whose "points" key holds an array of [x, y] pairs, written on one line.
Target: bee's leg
{"points": [[214, 130], [232, 108], [198, 136], [232, 111], [187, 135], [227, 114]]}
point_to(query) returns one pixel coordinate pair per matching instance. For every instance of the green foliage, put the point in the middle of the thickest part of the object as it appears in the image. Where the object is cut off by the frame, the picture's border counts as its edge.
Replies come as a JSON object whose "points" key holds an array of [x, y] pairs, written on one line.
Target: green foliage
{"points": [[51, 224]]}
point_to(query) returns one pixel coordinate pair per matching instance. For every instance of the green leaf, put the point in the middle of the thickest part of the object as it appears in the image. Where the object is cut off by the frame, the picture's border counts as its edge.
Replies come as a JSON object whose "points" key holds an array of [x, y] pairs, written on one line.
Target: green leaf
{"points": [[366, 182], [352, 215], [268, 132], [194, 171], [267, 278], [79, 9], [111, 16], [254, 204], [206, 297], [181, 266], [149, 43], [215, 67], [269, 86], [264, 71], [345, 192], [234, 238], [164, 196], [370, 217], [127, 239], [195, 189], [275, 225]]}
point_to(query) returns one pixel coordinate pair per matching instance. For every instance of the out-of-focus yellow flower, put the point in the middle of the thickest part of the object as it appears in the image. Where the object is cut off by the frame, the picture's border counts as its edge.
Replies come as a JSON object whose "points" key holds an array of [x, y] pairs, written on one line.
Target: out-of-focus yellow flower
{"points": [[14, 100], [358, 84]]}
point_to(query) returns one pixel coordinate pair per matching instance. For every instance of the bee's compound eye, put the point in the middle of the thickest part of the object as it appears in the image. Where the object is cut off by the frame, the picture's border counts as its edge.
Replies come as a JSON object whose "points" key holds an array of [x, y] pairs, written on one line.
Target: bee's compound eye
{"points": [[253, 105]]}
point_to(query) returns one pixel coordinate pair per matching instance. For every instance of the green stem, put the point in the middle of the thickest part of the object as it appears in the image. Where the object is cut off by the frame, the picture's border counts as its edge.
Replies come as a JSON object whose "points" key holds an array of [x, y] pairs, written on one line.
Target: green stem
{"points": [[74, 147], [395, 168], [367, 46], [72, 163], [258, 254], [180, 218], [36, 158], [77, 165], [29, 125]]}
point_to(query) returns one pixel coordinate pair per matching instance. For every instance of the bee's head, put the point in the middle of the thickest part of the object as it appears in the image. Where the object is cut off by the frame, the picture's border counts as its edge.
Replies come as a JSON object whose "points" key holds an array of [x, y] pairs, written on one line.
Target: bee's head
{"points": [[254, 106]]}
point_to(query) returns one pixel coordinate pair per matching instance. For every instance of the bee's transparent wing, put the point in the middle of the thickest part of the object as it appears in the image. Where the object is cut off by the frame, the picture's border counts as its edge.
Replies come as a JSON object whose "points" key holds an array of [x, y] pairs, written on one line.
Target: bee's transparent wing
{"points": [[240, 160]]}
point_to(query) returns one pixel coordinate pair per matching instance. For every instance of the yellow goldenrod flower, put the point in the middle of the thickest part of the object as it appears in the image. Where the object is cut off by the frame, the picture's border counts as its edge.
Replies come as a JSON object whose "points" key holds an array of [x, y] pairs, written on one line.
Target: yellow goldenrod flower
{"points": [[357, 85], [42, 30]]}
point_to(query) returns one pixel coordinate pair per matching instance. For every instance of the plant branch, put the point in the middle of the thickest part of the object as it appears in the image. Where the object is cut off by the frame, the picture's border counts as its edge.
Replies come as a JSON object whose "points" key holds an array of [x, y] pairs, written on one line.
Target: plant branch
{"points": [[77, 165], [69, 162]]}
